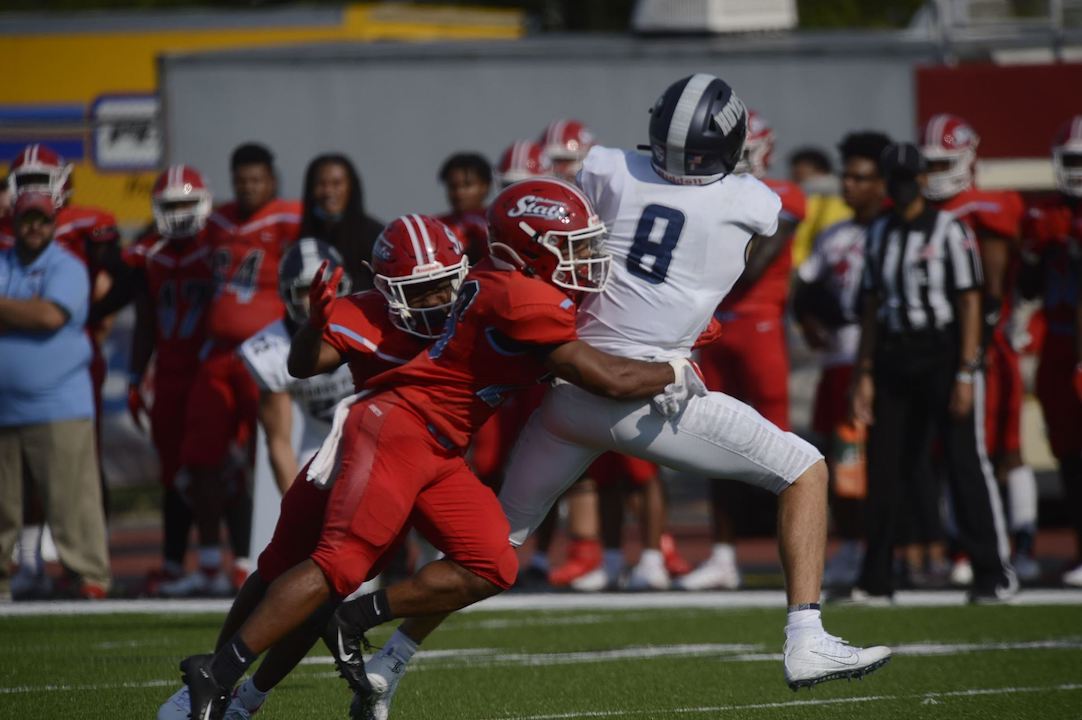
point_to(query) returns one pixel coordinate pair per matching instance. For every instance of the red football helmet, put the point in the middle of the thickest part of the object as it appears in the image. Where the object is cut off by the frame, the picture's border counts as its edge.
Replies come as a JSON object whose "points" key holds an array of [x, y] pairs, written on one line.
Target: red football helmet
{"points": [[181, 202], [950, 149], [414, 255], [566, 143], [546, 228], [39, 168], [1067, 157], [523, 160], [758, 146]]}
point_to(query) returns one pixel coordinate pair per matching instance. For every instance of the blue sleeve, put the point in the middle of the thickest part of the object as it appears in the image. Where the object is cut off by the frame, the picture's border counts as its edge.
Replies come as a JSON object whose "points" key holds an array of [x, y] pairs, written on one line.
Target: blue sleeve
{"points": [[67, 285]]}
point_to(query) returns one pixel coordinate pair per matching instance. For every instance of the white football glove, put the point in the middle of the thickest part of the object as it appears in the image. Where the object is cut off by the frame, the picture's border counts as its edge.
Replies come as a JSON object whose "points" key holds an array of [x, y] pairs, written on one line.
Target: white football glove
{"points": [[688, 383]]}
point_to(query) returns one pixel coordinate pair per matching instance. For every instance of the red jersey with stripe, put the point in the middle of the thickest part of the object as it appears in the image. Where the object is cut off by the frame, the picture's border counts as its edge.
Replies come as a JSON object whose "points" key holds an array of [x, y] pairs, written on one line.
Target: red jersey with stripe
{"points": [[493, 345], [246, 252], [1053, 230], [362, 332], [770, 292], [180, 282], [472, 230]]}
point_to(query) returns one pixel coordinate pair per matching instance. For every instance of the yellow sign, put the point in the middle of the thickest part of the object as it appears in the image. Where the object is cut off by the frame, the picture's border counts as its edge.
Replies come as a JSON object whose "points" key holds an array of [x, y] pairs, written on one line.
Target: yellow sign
{"points": [[92, 95]]}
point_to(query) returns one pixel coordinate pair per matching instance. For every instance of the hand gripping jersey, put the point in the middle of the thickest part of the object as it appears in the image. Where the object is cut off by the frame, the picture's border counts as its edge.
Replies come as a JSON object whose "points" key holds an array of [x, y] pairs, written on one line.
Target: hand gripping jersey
{"points": [[267, 353], [769, 293], [361, 330], [247, 251], [180, 282], [489, 348], [677, 251]]}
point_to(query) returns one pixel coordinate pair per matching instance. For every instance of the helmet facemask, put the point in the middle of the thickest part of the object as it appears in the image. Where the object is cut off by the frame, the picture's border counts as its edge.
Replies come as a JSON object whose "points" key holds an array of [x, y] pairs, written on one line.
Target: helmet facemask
{"points": [[181, 217], [1067, 161], [949, 172], [581, 261], [402, 295], [49, 180]]}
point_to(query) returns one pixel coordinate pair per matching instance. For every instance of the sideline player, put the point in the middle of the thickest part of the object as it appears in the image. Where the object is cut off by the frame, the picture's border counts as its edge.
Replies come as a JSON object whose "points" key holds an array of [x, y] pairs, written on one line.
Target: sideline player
{"points": [[248, 238], [467, 179], [565, 143], [750, 361], [395, 455], [369, 332], [1053, 255], [171, 281], [950, 148], [294, 414], [680, 222]]}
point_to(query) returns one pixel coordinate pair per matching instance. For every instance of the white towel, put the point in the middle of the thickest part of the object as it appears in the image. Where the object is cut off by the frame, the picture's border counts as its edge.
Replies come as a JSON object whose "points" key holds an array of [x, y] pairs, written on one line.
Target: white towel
{"points": [[324, 466]]}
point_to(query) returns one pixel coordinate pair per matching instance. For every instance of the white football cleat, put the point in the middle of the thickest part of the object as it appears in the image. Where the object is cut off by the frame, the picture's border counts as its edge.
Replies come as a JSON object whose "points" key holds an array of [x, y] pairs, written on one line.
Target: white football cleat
{"points": [[649, 574], [962, 572], [1073, 577], [594, 581], [718, 572], [816, 657], [384, 671]]}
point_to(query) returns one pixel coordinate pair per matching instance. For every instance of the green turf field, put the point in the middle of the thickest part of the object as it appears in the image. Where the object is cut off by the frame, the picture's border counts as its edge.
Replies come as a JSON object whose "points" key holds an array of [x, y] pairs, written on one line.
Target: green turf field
{"points": [[955, 662]]}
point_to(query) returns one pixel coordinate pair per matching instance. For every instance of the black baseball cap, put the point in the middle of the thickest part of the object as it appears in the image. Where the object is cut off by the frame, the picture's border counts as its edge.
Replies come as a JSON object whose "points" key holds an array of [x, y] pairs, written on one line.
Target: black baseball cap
{"points": [[901, 159]]}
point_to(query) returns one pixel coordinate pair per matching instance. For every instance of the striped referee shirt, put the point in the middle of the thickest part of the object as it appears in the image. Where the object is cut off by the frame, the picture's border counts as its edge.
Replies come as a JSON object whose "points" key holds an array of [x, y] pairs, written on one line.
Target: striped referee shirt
{"points": [[918, 267]]}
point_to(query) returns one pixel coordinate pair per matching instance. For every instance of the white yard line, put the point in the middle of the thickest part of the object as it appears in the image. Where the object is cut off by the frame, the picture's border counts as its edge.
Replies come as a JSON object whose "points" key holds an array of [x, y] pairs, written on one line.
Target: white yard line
{"points": [[924, 698], [545, 601]]}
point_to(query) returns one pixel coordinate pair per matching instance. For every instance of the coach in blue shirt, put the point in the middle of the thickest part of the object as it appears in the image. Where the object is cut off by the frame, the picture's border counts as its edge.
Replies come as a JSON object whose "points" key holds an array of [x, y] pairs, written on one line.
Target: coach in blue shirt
{"points": [[46, 402]]}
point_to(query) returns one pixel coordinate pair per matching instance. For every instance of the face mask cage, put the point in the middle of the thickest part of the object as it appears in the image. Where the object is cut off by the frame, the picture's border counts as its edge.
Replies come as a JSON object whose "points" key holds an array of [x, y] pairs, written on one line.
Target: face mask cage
{"points": [[944, 184], [296, 298], [753, 157], [425, 322], [48, 180], [179, 217], [582, 263], [1068, 176]]}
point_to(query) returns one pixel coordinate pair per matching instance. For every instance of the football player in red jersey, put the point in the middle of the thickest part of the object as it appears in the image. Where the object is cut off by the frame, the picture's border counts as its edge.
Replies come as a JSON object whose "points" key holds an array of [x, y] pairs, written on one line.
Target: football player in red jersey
{"points": [[950, 147], [1052, 250], [396, 454], [172, 281], [751, 360], [372, 332], [467, 178], [247, 239], [565, 143], [91, 235]]}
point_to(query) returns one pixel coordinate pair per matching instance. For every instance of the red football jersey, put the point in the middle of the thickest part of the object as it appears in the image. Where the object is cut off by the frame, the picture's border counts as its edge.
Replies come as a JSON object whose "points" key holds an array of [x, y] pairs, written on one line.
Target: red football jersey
{"points": [[772, 289], [80, 228], [1053, 230], [180, 283], [988, 212], [487, 350], [246, 252], [361, 330], [472, 230]]}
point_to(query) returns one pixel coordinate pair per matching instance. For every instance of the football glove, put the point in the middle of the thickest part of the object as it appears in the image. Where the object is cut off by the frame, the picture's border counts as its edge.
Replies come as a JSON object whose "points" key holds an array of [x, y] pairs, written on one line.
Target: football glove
{"points": [[688, 383], [321, 295]]}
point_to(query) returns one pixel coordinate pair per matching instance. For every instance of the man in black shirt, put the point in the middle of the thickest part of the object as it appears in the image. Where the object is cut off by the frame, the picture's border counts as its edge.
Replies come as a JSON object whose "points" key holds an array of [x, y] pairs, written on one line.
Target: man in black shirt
{"points": [[919, 376]]}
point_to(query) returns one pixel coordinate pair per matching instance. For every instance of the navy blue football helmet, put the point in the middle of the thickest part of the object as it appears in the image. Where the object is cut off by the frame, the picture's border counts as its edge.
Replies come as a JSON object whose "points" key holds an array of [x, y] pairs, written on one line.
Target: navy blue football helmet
{"points": [[697, 130], [297, 270]]}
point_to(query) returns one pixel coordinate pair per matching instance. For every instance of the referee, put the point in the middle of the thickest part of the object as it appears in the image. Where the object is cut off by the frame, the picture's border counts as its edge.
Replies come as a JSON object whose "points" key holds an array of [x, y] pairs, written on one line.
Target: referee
{"points": [[919, 377]]}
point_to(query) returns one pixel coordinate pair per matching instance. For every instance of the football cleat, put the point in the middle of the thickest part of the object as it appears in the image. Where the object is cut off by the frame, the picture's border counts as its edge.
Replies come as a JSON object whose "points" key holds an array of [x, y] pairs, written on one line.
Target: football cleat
{"points": [[718, 572], [1026, 567], [346, 647], [208, 699], [385, 670], [816, 657], [583, 557], [1073, 577], [594, 581], [648, 575], [198, 584], [962, 572], [674, 561]]}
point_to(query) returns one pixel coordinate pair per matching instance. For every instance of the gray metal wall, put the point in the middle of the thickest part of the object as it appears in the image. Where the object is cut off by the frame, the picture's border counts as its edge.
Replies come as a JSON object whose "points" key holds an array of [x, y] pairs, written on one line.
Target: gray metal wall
{"points": [[398, 110]]}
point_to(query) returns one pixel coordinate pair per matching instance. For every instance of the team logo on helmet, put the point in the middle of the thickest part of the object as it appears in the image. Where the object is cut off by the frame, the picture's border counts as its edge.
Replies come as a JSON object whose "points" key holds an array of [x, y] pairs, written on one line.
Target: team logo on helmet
{"points": [[729, 116], [534, 206], [382, 249]]}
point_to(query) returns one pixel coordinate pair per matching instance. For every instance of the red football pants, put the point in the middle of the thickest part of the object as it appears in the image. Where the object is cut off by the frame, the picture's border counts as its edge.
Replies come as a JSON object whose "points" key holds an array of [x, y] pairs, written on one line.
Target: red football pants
{"points": [[394, 471], [1002, 399], [221, 412], [167, 419]]}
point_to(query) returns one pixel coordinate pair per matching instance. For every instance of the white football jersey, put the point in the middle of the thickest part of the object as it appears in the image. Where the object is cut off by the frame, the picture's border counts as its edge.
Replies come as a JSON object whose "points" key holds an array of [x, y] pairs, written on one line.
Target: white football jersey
{"points": [[267, 354], [677, 252]]}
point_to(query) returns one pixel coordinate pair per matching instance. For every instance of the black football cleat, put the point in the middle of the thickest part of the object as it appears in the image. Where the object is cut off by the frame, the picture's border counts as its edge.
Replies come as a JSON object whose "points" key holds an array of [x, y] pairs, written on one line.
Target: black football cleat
{"points": [[346, 645], [209, 700]]}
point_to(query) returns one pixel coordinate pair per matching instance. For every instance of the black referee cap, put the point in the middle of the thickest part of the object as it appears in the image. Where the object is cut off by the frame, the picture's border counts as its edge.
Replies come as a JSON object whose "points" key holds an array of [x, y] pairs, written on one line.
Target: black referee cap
{"points": [[901, 159]]}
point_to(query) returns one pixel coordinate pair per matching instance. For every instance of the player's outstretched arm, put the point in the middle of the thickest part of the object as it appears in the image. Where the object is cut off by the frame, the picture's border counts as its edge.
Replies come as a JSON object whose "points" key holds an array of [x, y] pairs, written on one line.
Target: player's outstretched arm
{"points": [[608, 375], [309, 355]]}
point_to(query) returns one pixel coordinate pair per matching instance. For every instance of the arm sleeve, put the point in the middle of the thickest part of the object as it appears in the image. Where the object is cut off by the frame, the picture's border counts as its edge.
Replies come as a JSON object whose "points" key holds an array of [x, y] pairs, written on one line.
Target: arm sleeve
{"points": [[965, 258], [68, 286], [349, 331]]}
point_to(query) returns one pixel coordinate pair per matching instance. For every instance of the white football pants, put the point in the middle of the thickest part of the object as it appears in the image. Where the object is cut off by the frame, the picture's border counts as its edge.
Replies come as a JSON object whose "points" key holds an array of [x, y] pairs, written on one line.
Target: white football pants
{"points": [[715, 436]]}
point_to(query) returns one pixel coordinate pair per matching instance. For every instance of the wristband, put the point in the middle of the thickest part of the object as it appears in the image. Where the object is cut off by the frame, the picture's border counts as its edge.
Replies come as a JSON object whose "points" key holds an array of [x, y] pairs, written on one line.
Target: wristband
{"points": [[964, 376]]}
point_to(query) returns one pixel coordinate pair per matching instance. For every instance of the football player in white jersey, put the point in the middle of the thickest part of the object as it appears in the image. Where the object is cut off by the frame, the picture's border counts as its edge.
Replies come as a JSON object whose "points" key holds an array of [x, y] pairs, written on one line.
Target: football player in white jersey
{"points": [[294, 414], [680, 228]]}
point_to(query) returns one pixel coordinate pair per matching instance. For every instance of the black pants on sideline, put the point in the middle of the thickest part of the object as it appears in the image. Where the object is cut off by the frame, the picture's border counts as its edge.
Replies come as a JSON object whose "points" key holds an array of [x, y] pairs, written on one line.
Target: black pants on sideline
{"points": [[913, 382]]}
